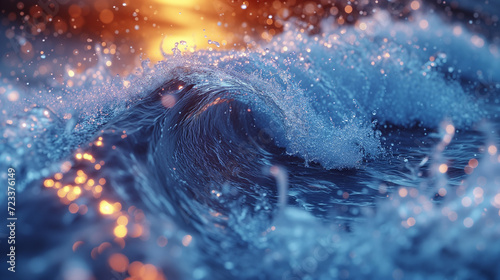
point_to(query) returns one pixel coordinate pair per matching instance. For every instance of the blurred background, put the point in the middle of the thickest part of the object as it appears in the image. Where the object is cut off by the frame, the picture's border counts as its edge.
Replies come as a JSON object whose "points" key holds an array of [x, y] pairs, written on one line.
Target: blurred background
{"points": [[53, 40]]}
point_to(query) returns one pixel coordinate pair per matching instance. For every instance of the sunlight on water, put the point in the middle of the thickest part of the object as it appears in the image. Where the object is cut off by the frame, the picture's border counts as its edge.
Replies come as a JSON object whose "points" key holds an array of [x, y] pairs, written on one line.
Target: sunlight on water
{"points": [[368, 149]]}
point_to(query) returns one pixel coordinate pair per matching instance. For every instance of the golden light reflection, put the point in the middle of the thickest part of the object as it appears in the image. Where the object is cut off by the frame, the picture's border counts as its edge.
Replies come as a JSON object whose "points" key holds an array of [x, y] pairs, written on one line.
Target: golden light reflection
{"points": [[122, 220], [120, 231], [49, 183], [194, 24], [132, 218], [443, 168], [106, 208]]}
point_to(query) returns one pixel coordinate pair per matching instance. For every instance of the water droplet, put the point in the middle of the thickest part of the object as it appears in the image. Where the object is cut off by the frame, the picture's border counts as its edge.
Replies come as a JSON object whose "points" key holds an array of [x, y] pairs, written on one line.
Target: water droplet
{"points": [[214, 43]]}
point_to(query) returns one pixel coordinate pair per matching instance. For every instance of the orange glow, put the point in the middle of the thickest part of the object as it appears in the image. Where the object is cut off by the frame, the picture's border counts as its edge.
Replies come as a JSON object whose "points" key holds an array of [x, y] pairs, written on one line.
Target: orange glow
{"points": [[134, 269], [120, 242], [73, 208], [120, 231], [217, 101], [122, 220], [415, 5], [103, 246], [98, 189], [83, 209], [88, 157], [13, 96], [348, 9], [66, 166], [106, 208], [403, 192], [62, 192], [74, 11], [492, 149], [411, 221], [118, 262], [106, 16], [76, 245], [443, 168], [80, 179], [468, 169], [71, 196], [49, 183], [58, 176], [137, 231], [117, 206], [186, 240], [473, 163], [148, 271], [450, 129], [77, 190], [193, 27]]}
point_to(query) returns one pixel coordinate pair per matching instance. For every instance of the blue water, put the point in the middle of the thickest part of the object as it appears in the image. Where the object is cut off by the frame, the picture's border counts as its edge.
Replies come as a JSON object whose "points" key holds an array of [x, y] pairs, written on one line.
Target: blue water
{"points": [[311, 157]]}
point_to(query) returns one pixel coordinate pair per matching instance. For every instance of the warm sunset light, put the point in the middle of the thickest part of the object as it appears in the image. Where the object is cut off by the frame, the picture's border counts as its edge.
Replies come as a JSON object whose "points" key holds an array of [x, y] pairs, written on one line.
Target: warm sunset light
{"points": [[250, 139], [106, 208]]}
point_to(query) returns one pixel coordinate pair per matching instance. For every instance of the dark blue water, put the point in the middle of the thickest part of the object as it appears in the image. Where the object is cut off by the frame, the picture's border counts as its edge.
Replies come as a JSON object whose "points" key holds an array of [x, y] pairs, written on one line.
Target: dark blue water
{"points": [[349, 154]]}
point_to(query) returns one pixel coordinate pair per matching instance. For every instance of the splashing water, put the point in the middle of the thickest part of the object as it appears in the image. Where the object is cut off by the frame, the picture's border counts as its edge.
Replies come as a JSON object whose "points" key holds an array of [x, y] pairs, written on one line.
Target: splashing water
{"points": [[349, 154]]}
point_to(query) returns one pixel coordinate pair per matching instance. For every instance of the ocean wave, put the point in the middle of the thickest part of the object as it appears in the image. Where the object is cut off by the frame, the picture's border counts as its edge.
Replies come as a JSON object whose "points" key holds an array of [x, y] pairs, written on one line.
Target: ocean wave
{"points": [[203, 145]]}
